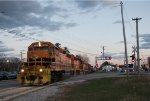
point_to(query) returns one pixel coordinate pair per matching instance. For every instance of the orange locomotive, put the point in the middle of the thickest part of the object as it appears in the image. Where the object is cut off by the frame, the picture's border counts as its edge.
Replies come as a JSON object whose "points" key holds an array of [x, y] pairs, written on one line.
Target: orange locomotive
{"points": [[47, 63]]}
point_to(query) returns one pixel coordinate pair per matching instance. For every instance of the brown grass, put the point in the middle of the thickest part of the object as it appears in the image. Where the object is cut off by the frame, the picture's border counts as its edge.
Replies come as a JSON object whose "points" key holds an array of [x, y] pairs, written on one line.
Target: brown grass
{"points": [[136, 88]]}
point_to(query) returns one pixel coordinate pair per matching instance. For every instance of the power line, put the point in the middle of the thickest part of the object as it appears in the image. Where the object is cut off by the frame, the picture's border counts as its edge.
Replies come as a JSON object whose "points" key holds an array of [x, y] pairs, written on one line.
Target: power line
{"points": [[28, 37], [82, 51]]}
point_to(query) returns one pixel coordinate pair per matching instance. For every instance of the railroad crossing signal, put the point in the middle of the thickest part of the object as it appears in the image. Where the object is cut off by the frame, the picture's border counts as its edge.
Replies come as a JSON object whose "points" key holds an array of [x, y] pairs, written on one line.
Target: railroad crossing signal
{"points": [[133, 58], [134, 49]]}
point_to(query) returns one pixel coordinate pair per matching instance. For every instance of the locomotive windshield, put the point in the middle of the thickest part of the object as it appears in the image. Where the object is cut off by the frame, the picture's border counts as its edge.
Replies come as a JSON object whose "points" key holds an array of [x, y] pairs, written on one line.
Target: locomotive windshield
{"points": [[41, 48], [38, 48]]}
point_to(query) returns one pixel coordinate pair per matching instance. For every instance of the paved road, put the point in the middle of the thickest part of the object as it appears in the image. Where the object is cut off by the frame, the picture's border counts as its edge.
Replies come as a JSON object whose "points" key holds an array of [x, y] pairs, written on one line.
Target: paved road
{"points": [[8, 83], [96, 75], [14, 83]]}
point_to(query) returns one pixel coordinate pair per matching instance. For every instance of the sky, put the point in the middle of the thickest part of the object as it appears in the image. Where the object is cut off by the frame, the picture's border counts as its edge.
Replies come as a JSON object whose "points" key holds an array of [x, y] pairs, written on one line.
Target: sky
{"points": [[84, 26]]}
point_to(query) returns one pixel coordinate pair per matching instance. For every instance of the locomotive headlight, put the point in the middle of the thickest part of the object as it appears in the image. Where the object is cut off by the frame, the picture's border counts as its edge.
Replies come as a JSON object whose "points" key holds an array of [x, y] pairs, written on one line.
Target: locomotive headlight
{"points": [[41, 70], [22, 70]]}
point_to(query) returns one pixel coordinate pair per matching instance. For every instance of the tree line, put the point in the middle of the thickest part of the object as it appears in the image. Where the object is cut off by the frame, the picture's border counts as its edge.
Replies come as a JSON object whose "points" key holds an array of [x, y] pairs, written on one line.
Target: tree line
{"points": [[9, 63]]}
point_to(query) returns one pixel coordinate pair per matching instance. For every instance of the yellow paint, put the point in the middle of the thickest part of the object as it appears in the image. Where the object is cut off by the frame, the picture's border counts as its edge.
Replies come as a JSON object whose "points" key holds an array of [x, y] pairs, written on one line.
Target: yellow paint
{"points": [[46, 77]]}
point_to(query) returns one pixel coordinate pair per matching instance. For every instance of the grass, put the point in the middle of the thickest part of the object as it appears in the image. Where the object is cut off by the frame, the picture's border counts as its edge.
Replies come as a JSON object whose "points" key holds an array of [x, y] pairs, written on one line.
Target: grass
{"points": [[108, 89]]}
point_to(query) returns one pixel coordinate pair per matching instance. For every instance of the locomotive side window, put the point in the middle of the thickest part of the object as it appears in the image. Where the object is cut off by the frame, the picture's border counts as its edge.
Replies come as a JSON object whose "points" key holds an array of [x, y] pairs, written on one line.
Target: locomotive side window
{"points": [[51, 50], [44, 48], [36, 48], [57, 52], [30, 49]]}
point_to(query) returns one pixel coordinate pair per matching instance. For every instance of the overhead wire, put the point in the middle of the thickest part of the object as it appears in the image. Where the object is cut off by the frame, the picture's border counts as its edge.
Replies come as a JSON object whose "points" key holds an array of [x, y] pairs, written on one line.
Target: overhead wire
{"points": [[29, 37], [132, 29]]}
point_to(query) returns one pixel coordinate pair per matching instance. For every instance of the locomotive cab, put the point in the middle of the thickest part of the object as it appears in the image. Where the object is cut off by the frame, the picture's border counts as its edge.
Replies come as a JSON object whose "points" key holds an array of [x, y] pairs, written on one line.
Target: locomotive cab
{"points": [[37, 69]]}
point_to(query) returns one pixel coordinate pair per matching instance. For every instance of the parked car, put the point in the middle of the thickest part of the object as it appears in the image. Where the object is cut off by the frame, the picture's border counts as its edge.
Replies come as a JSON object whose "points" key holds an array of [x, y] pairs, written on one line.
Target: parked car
{"points": [[12, 74], [4, 75], [8, 75], [1, 76]]}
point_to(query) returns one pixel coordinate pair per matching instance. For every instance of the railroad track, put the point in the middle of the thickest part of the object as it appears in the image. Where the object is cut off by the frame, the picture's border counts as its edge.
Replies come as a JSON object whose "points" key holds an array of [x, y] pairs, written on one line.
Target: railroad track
{"points": [[11, 93]]}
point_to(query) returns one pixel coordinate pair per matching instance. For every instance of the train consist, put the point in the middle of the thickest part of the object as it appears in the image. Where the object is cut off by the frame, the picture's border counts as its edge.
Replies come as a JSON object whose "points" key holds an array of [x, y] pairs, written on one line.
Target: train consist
{"points": [[48, 63]]}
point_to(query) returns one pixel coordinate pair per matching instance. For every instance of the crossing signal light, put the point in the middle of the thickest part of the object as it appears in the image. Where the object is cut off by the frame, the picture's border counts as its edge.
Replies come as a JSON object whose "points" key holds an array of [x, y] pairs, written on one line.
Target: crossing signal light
{"points": [[133, 58], [133, 61]]}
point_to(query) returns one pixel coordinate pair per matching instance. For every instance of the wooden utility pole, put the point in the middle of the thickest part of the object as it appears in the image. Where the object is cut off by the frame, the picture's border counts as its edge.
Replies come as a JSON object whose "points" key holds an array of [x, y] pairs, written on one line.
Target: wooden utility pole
{"points": [[134, 53], [125, 43], [137, 39], [103, 53]]}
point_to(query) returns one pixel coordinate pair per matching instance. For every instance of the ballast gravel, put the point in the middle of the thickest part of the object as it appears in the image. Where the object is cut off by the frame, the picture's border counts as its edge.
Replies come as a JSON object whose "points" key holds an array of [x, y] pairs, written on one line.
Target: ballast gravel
{"points": [[47, 93]]}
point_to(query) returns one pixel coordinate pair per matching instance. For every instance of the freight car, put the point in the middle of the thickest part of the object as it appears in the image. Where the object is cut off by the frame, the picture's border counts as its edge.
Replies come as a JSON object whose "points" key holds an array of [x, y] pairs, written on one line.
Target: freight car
{"points": [[48, 63]]}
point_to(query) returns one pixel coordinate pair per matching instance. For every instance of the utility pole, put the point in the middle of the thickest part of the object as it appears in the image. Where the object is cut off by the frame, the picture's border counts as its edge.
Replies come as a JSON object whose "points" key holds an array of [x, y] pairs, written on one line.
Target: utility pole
{"points": [[125, 43], [95, 61], [21, 53], [21, 56], [134, 53], [137, 39], [103, 52]]}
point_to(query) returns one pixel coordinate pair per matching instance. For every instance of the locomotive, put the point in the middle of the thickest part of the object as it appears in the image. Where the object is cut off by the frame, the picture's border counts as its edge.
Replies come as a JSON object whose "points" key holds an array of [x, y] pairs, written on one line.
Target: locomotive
{"points": [[47, 63]]}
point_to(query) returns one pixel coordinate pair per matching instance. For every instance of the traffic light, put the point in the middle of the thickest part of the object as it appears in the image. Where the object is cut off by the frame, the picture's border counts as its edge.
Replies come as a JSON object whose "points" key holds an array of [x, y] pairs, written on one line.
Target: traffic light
{"points": [[110, 57], [133, 61]]}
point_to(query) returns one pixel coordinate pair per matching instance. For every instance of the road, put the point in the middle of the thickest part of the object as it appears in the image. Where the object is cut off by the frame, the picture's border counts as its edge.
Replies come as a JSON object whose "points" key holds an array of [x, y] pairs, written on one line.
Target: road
{"points": [[13, 83], [11, 90], [8, 83]]}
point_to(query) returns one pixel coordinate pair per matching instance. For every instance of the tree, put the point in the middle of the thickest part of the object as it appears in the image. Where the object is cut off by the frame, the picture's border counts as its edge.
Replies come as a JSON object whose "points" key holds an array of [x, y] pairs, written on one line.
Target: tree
{"points": [[84, 58], [66, 50], [2, 61], [58, 45], [8, 63]]}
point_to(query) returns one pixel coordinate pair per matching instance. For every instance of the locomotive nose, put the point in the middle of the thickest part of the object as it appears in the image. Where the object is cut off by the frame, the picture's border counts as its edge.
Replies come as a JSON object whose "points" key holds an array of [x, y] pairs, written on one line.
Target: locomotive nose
{"points": [[31, 77]]}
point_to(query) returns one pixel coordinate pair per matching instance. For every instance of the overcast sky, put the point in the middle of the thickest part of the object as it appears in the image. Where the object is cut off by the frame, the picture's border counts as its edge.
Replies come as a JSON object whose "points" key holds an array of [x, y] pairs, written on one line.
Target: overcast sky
{"points": [[82, 26]]}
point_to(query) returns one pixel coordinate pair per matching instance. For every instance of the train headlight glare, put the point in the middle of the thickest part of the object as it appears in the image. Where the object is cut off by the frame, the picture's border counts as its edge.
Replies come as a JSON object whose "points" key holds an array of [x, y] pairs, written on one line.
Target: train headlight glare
{"points": [[22, 70], [41, 70]]}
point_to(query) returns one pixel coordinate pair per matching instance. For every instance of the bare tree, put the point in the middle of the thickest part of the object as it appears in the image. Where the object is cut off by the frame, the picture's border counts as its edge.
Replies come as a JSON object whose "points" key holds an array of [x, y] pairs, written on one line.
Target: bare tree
{"points": [[2, 61], [9, 63], [84, 58], [66, 50], [58, 45]]}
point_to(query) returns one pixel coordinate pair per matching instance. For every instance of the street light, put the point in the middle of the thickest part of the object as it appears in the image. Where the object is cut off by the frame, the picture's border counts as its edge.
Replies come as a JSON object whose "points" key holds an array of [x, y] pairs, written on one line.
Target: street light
{"points": [[7, 63]]}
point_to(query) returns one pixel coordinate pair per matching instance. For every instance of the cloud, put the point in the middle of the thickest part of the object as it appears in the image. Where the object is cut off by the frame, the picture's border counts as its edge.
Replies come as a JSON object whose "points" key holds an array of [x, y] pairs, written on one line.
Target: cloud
{"points": [[71, 25], [1, 42], [114, 55], [43, 14], [3, 48], [119, 21], [145, 41], [118, 55], [31, 13], [122, 42], [88, 5], [6, 49]]}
